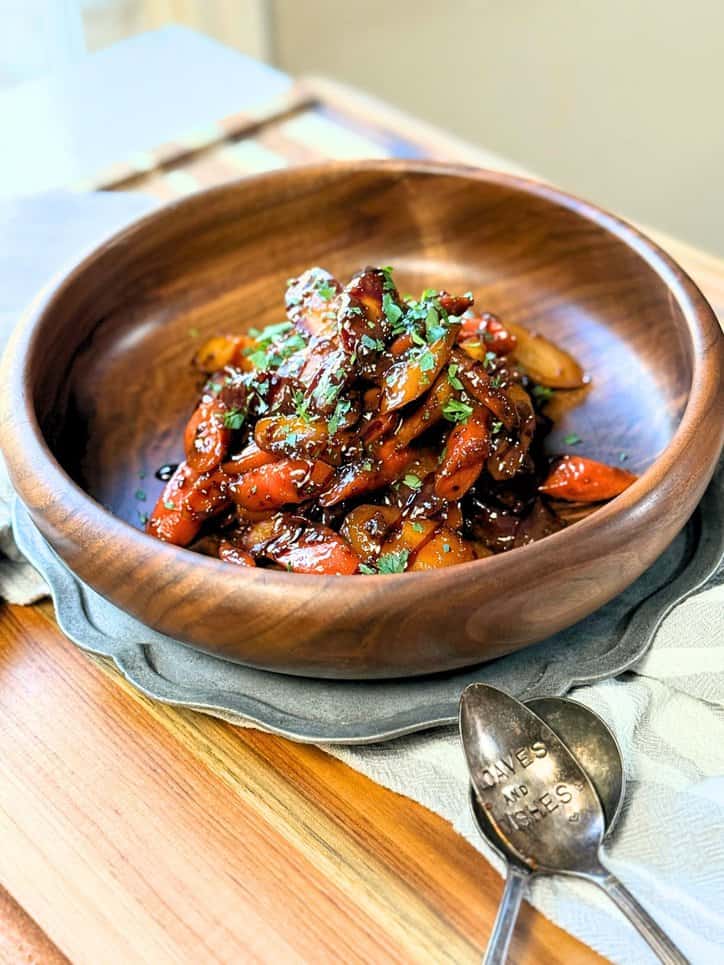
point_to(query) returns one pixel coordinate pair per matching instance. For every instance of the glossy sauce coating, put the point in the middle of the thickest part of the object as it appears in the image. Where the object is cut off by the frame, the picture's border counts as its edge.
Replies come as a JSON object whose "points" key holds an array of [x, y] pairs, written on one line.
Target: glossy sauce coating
{"points": [[373, 434]]}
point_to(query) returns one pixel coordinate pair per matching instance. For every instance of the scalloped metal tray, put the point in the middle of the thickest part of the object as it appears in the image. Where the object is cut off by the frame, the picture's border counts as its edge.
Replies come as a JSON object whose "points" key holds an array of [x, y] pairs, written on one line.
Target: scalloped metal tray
{"points": [[348, 712]]}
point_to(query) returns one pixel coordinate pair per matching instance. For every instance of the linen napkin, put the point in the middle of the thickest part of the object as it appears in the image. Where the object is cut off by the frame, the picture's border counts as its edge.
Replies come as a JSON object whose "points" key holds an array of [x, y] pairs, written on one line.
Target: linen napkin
{"points": [[668, 713]]}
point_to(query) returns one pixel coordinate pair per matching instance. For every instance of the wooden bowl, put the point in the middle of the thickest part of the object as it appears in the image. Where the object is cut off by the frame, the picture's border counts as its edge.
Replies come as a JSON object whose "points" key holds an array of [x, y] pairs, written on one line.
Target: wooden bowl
{"points": [[98, 385]]}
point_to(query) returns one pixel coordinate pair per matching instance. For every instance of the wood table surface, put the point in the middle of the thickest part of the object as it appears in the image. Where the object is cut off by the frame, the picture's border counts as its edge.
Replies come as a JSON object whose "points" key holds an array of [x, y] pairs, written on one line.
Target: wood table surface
{"points": [[131, 831]]}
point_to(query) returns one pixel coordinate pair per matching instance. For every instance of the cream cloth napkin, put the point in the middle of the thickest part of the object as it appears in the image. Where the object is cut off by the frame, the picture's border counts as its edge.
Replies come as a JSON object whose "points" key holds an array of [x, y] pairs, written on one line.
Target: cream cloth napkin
{"points": [[668, 715]]}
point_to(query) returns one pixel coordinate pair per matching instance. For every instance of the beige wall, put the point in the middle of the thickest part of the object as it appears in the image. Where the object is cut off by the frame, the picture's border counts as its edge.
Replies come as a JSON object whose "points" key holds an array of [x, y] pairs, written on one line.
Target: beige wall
{"points": [[619, 100]]}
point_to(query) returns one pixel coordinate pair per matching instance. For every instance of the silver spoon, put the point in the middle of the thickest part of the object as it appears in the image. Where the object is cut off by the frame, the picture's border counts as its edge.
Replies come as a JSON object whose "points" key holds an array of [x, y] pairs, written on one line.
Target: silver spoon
{"points": [[596, 749], [540, 802]]}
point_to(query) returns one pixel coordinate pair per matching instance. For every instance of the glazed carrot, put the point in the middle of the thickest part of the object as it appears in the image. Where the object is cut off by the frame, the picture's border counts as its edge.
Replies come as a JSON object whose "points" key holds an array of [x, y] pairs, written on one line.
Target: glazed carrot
{"points": [[234, 554], [365, 528], [276, 484], [207, 438], [467, 448], [321, 551], [416, 371], [355, 479], [251, 457], [222, 350], [582, 480], [171, 520], [445, 548], [485, 333]]}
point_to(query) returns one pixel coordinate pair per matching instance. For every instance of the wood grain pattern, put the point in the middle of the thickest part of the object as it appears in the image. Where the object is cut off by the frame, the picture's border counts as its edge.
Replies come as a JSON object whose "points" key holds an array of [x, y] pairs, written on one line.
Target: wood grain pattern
{"points": [[103, 365], [145, 833]]}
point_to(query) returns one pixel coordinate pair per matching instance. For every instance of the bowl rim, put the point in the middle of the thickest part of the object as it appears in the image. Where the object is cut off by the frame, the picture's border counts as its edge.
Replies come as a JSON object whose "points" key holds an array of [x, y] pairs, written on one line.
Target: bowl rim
{"points": [[31, 461]]}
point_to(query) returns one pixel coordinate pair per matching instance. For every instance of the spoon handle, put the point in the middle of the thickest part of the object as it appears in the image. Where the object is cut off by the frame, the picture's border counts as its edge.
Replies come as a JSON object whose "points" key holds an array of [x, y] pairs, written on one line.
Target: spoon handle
{"points": [[658, 941], [516, 882]]}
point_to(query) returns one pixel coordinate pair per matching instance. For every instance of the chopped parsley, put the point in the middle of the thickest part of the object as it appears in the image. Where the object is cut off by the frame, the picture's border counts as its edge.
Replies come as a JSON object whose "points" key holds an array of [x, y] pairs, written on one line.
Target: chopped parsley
{"points": [[143, 518], [301, 405], [340, 411], [455, 410], [496, 382], [426, 361], [418, 527], [169, 504], [622, 456], [374, 344], [393, 312], [446, 547], [572, 439], [234, 419], [326, 291], [269, 334], [495, 428], [394, 562], [542, 393], [140, 495], [291, 438], [413, 481], [193, 332], [435, 329], [452, 376], [489, 360]]}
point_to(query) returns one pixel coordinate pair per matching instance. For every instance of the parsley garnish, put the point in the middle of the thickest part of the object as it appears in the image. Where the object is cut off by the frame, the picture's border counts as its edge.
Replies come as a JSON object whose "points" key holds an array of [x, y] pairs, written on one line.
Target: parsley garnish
{"points": [[393, 312], [267, 335], [456, 411], [413, 481], [326, 291], [291, 438], [495, 382], [434, 328], [542, 393], [418, 527], [168, 504], [426, 361], [452, 376], [140, 495], [393, 562], [495, 428], [301, 405], [572, 439], [374, 344], [622, 456], [446, 547], [489, 360], [234, 419], [193, 332], [340, 411]]}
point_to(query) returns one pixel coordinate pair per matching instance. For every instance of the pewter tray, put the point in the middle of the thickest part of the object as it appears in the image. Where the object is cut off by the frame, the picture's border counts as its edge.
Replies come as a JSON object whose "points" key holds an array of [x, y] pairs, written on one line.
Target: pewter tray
{"points": [[349, 712]]}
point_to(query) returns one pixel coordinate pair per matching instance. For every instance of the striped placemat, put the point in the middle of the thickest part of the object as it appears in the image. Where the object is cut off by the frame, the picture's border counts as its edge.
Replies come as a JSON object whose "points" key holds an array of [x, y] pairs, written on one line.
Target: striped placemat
{"points": [[317, 120]]}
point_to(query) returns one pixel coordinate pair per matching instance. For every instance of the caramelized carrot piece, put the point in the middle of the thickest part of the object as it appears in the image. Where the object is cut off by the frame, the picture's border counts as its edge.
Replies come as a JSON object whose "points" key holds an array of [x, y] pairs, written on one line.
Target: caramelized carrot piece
{"points": [[545, 362], [276, 484], [468, 446], [365, 528], [355, 479], [428, 413], [582, 480], [251, 457], [319, 550], [222, 350], [485, 333], [416, 371], [291, 435], [409, 537], [234, 554], [445, 548], [171, 520], [206, 439]]}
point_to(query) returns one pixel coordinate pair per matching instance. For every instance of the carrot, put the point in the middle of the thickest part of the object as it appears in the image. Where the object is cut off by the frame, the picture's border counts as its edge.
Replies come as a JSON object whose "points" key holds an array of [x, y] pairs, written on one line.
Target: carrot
{"points": [[582, 480]]}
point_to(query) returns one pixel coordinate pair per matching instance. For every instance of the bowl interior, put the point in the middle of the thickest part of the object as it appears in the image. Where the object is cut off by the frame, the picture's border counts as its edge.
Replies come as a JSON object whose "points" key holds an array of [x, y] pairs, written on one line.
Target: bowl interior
{"points": [[114, 380]]}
